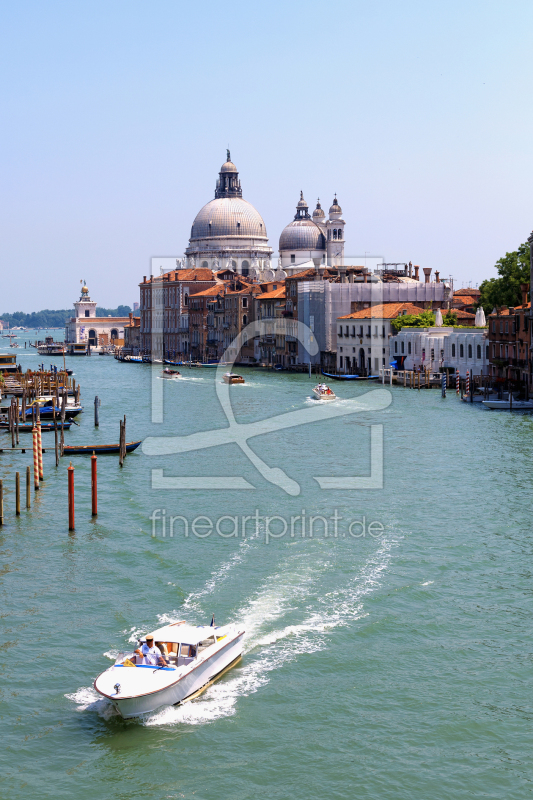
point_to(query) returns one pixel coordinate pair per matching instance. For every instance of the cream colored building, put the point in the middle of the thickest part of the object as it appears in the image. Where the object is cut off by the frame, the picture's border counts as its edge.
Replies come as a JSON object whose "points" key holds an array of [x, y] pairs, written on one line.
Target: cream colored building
{"points": [[86, 327]]}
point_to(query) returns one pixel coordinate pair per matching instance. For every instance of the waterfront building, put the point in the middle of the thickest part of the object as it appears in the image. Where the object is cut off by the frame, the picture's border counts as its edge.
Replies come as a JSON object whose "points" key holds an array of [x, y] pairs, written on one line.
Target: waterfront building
{"points": [[164, 310], [271, 343], [509, 340], [132, 336], [458, 349], [86, 327], [228, 232], [363, 337]]}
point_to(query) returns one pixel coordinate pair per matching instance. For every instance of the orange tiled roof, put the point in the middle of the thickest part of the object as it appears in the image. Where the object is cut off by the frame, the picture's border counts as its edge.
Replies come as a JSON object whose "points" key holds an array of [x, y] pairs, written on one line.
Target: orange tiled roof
{"points": [[467, 293], [277, 294], [466, 300], [212, 291], [197, 274], [384, 311], [306, 273]]}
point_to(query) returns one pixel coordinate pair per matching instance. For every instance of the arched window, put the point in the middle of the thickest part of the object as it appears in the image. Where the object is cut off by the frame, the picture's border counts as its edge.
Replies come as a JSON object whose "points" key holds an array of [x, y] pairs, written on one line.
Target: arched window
{"points": [[234, 265], [403, 346], [205, 265], [479, 351], [469, 351], [339, 234], [395, 347], [334, 233], [93, 338], [453, 350], [244, 319], [461, 351], [245, 267], [114, 333], [409, 348]]}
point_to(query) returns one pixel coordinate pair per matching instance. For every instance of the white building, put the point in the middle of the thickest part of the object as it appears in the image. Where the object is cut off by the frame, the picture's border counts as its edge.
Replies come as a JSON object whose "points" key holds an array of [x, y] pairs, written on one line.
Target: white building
{"points": [[312, 238], [462, 349], [228, 232], [86, 327], [363, 337]]}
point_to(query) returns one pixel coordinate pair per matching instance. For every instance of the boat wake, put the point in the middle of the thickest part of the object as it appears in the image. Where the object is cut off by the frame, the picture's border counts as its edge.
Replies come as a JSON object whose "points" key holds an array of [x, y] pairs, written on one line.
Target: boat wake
{"points": [[269, 644]]}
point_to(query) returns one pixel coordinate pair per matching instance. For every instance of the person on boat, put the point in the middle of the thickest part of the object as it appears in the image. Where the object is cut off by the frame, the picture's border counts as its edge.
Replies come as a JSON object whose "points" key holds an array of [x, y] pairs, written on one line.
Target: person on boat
{"points": [[150, 653]]}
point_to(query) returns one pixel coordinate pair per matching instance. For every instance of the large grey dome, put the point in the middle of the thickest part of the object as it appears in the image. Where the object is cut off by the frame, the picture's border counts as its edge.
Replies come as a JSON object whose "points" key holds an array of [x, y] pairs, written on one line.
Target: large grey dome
{"points": [[302, 234], [228, 216]]}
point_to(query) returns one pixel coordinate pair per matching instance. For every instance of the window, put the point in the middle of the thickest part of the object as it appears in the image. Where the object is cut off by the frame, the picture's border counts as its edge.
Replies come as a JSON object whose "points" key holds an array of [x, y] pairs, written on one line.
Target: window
{"points": [[245, 302], [479, 351], [339, 234], [369, 331], [334, 233], [403, 347], [360, 330], [185, 299], [461, 351], [114, 333], [487, 351], [395, 347], [293, 258], [244, 319], [245, 267], [205, 264], [432, 354], [409, 348], [506, 327], [493, 326], [346, 329], [353, 331], [383, 331], [87, 312], [501, 326], [453, 350], [340, 362], [469, 351], [234, 265], [340, 331]]}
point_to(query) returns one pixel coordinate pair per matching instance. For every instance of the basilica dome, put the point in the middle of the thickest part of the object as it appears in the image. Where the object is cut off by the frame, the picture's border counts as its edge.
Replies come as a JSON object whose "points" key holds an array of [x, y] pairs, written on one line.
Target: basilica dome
{"points": [[228, 216], [302, 233]]}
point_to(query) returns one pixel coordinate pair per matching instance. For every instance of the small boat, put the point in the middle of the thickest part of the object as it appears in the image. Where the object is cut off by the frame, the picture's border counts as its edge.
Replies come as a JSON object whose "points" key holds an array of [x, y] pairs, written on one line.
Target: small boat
{"points": [[99, 449], [481, 394], [350, 377], [46, 411], [170, 373], [27, 427], [231, 378], [505, 405], [323, 392], [193, 658], [279, 367]]}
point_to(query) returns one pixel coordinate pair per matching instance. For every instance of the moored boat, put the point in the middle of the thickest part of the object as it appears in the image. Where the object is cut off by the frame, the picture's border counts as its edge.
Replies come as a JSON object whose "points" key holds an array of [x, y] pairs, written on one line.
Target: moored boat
{"points": [[323, 392], [98, 449], [192, 657], [231, 378], [508, 405]]}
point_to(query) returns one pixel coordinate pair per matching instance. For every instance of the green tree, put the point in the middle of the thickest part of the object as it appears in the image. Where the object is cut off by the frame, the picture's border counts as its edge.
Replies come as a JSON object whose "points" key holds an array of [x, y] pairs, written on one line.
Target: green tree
{"points": [[513, 270], [426, 319], [450, 319]]}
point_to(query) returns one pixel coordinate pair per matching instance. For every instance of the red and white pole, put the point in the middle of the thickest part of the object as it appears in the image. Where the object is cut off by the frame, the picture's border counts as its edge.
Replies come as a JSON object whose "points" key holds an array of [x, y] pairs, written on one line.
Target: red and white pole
{"points": [[40, 450], [457, 383], [35, 459], [467, 387]]}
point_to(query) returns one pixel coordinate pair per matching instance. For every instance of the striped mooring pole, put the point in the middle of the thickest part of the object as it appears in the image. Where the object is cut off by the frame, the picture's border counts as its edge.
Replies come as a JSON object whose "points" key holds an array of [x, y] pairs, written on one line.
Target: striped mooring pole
{"points": [[443, 384], [457, 383], [467, 387], [35, 459]]}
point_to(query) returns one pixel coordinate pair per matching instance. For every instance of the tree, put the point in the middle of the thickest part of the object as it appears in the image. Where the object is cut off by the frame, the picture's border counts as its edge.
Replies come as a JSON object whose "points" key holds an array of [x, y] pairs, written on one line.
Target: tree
{"points": [[450, 319], [513, 270], [426, 319]]}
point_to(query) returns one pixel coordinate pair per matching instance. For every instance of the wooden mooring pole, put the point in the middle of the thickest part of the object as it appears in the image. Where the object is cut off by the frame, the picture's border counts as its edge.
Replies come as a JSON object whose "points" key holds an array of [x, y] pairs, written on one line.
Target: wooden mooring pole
{"points": [[96, 415], [28, 487], [70, 472], [94, 486], [17, 494], [1, 502]]}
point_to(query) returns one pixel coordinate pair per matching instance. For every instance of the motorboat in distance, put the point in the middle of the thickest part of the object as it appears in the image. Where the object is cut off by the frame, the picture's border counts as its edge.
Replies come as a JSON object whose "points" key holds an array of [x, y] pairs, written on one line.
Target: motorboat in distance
{"points": [[195, 656], [170, 373], [323, 392], [231, 378]]}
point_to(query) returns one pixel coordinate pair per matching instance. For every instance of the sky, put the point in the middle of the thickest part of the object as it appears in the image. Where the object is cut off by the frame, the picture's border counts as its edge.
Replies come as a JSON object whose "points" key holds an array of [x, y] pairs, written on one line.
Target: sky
{"points": [[116, 118]]}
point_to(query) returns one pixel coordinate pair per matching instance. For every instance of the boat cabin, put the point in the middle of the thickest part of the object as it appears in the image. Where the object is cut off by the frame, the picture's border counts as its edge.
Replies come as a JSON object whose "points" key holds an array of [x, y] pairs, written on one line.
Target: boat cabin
{"points": [[182, 643], [8, 363], [78, 349]]}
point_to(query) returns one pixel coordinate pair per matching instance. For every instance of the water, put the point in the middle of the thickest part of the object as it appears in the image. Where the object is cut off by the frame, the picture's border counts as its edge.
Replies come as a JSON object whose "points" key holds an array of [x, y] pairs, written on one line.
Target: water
{"points": [[388, 666]]}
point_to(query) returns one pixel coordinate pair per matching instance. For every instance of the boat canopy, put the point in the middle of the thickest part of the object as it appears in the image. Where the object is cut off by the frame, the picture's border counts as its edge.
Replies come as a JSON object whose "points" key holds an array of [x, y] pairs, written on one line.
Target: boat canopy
{"points": [[186, 634]]}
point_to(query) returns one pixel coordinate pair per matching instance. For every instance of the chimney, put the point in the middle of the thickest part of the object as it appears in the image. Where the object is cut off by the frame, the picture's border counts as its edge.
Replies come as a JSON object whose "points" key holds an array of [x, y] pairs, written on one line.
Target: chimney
{"points": [[427, 273], [365, 277], [437, 276], [524, 288], [131, 315], [144, 278], [416, 273], [410, 269]]}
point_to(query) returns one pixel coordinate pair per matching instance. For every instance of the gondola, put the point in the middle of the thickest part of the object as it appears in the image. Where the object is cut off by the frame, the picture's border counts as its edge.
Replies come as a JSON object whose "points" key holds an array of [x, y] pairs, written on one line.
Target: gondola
{"points": [[98, 449], [351, 377]]}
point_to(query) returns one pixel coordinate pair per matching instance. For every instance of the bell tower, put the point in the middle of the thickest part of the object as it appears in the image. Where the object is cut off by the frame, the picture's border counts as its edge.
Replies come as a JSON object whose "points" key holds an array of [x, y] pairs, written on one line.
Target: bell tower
{"points": [[85, 307], [335, 235]]}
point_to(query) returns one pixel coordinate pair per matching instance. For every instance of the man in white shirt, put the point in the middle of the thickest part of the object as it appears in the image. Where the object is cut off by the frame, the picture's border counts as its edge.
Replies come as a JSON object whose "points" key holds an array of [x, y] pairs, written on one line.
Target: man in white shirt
{"points": [[150, 653]]}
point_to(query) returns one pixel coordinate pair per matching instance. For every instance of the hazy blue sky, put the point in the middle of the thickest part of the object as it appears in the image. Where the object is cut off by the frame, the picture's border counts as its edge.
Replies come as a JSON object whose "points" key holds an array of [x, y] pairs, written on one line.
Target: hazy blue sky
{"points": [[116, 116]]}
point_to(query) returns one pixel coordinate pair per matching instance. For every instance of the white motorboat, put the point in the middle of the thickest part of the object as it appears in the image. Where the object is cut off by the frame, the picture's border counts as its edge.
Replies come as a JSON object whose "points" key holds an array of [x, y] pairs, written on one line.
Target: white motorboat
{"points": [[196, 656], [323, 392], [505, 405], [170, 373], [481, 393]]}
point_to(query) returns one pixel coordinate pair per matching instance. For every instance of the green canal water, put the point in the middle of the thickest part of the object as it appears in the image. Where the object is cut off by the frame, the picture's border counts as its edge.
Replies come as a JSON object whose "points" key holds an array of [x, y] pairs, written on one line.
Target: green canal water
{"points": [[394, 665]]}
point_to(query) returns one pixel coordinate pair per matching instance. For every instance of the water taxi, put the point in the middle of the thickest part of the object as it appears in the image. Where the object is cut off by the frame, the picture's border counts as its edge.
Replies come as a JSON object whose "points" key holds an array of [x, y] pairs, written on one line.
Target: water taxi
{"points": [[192, 657], [170, 373], [231, 378], [323, 392]]}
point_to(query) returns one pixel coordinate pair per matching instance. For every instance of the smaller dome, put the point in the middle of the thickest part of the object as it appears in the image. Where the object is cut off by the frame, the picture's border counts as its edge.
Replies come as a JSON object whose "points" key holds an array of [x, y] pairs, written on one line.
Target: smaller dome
{"points": [[302, 234], [229, 166], [319, 211], [335, 208], [85, 290], [301, 202]]}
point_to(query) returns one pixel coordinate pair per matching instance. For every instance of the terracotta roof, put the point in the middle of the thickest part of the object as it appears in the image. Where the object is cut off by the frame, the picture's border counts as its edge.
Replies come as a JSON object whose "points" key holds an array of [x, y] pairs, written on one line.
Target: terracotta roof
{"points": [[275, 295], [197, 274], [467, 292], [213, 291], [384, 311], [466, 300], [460, 314], [306, 273], [505, 311]]}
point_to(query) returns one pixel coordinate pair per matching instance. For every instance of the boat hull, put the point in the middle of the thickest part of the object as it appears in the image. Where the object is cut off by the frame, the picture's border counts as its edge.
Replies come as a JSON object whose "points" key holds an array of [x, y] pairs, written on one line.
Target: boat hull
{"points": [[191, 682], [504, 405], [102, 449]]}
